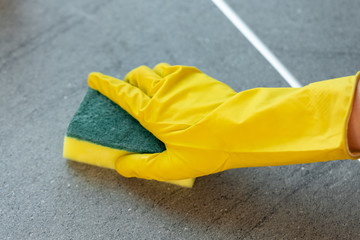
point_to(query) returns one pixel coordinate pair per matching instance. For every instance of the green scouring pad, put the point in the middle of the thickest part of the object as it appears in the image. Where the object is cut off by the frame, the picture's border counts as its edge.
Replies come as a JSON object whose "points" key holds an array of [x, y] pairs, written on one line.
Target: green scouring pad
{"points": [[101, 132]]}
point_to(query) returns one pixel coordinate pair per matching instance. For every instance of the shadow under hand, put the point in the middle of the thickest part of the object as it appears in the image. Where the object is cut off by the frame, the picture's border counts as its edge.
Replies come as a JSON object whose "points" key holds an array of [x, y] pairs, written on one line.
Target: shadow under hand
{"points": [[241, 203]]}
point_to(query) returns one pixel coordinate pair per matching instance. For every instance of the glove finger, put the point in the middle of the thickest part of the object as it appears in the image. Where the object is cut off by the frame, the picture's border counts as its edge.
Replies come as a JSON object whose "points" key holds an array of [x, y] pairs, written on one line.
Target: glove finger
{"points": [[161, 69], [156, 166], [176, 72], [128, 97], [145, 79]]}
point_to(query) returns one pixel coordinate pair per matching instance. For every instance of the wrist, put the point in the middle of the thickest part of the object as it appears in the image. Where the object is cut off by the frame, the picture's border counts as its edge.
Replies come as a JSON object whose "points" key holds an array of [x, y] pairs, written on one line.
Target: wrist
{"points": [[354, 123]]}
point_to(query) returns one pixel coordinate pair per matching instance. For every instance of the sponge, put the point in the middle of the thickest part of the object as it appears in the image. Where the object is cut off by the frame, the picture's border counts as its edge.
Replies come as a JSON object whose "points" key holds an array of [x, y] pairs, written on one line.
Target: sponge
{"points": [[101, 132]]}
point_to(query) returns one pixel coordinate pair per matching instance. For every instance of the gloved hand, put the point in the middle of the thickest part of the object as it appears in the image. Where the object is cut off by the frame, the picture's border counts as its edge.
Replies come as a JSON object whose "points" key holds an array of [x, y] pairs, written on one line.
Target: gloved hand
{"points": [[207, 127]]}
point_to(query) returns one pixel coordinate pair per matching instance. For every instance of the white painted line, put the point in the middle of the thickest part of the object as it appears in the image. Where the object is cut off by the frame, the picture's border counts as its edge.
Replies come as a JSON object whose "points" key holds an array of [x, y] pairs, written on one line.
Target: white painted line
{"points": [[257, 43]]}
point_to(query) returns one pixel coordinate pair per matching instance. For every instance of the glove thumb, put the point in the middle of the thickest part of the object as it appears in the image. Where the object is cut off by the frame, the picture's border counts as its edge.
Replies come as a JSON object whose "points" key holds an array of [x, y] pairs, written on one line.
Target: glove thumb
{"points": [[155, 166]]}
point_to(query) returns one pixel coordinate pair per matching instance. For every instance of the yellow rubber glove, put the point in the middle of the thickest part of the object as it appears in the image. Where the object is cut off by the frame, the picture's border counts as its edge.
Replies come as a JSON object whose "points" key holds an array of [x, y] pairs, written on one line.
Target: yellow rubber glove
{"points": [[207, 127]]}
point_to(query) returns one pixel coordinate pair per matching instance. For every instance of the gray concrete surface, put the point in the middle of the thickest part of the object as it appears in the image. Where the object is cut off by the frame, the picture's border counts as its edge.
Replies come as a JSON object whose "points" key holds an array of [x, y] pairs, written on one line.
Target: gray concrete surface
{"points": [[316, 40], [47, 48]]}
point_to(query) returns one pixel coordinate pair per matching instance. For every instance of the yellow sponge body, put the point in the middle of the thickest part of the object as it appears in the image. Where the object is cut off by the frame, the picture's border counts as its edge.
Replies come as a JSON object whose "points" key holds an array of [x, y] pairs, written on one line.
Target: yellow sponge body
{"points": [[101, 156]]}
